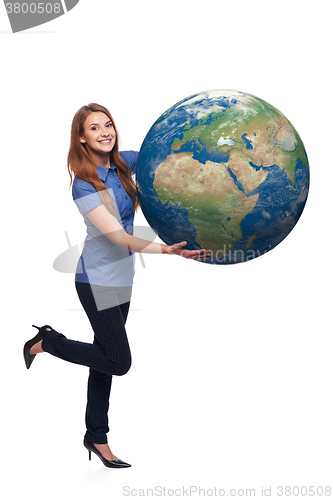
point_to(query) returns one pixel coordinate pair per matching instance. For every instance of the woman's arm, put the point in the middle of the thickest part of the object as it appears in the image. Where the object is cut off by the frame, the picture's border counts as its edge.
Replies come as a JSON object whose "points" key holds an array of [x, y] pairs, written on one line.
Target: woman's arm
{"points": [[109, 226]]}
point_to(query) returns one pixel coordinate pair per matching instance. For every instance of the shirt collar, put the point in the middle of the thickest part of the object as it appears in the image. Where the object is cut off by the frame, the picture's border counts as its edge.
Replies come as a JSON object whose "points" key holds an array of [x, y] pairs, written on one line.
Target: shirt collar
{"points": [[103, 172]]}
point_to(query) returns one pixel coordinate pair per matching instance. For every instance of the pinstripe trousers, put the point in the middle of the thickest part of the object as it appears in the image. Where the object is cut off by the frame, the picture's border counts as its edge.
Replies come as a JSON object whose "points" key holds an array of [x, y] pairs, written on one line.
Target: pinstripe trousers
{"points": [[108, 355]]}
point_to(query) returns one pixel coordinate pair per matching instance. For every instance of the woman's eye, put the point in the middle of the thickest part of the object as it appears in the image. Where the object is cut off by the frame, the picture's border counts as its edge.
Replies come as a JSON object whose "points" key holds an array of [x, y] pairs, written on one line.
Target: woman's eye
{"points": [[110, 125]]}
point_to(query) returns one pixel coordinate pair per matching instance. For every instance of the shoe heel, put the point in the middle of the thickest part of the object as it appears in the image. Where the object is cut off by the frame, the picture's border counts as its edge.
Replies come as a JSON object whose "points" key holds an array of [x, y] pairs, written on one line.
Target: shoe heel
{"points": [[28, 358], [89, 454]]}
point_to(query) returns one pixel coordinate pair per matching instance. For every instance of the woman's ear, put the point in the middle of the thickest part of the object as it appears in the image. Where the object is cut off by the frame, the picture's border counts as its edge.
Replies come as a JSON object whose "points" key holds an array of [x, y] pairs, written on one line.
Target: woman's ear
{"points": [[82, 139]]}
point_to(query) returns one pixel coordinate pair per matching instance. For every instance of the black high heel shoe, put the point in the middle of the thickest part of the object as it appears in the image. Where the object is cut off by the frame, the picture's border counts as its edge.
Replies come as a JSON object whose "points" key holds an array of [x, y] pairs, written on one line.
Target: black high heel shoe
{"points": [[115, 464], [28, 358]]}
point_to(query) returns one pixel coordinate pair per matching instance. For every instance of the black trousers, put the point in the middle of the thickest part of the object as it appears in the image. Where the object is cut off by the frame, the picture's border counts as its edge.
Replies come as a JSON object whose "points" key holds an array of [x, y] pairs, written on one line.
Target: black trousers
{"points": [[108, 355]]}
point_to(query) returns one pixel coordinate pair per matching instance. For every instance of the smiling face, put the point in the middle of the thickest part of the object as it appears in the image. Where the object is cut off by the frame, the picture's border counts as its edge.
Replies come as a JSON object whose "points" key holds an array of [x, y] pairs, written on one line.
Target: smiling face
{"points": [[98, 135]]}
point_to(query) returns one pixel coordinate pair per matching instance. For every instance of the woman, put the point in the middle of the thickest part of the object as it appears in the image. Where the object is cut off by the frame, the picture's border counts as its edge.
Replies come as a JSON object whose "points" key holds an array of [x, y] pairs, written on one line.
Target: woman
{"points": [[105, 194]]}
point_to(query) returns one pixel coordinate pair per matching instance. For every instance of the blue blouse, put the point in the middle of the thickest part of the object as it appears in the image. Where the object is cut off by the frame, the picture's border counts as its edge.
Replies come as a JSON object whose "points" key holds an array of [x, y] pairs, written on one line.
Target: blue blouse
{"points": [[102, 262]]}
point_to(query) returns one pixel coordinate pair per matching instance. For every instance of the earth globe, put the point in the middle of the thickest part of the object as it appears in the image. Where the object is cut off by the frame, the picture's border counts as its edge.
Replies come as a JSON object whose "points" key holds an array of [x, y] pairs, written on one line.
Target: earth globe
{"points": [[225, 171]]}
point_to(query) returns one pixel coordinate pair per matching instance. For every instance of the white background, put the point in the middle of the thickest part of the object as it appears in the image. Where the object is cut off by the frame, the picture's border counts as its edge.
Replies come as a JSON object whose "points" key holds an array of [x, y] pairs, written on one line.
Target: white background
{"points": [[231, 381]]}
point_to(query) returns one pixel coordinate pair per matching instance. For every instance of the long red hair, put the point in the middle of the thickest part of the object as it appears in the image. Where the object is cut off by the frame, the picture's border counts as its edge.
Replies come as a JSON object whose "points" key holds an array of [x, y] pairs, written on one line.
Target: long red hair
{"points": [[80, 164]]}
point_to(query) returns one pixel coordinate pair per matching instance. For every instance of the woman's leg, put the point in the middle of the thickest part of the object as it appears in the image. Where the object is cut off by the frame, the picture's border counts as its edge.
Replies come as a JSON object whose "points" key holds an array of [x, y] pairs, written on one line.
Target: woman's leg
{"points": [[111, 355], [108, 355], [99, 387]]}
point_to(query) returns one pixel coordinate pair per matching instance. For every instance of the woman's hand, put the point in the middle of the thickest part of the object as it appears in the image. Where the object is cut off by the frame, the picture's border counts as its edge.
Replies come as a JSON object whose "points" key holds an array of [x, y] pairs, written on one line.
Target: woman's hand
{"points": [[177, 249]]}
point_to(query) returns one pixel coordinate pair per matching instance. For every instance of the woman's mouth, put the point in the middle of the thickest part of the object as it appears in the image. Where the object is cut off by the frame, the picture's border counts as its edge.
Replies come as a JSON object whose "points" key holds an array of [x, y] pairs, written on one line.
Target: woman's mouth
{"points": [[106, 141]]}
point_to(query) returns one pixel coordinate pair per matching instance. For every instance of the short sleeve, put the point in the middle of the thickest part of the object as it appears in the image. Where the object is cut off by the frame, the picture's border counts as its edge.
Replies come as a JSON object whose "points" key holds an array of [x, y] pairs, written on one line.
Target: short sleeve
{"points": [[131, 158], [85, 195]]}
